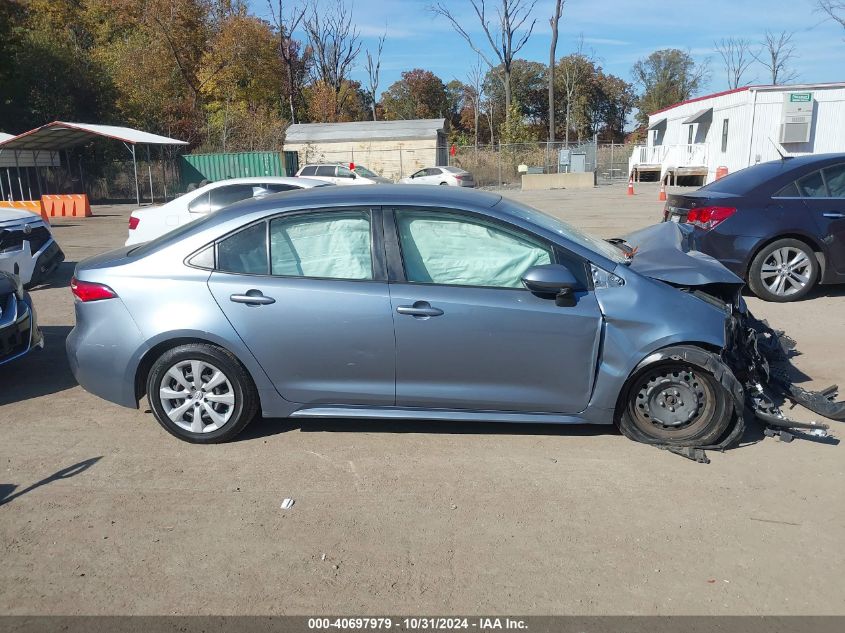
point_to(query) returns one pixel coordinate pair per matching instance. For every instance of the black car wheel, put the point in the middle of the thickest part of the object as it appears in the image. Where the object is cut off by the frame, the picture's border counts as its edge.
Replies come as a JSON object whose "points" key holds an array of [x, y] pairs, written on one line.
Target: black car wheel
{"points": [[675, 403], [201, 394], [785, 270]]}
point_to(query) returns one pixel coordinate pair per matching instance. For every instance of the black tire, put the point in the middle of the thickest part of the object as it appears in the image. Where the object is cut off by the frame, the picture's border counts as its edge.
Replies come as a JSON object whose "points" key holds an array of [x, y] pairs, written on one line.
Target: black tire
{"points": [[701, 407], [239, 384], [766, 257], [444, 183]]}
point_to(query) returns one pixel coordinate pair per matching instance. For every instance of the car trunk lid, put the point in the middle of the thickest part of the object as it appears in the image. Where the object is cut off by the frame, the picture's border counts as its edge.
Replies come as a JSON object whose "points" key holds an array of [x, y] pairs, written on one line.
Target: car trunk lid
{"points": [[678, 206]]}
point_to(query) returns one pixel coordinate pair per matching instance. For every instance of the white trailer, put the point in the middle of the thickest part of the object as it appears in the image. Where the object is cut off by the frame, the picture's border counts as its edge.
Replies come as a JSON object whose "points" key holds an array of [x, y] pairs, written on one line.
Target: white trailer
{"points": [[731, 130]]}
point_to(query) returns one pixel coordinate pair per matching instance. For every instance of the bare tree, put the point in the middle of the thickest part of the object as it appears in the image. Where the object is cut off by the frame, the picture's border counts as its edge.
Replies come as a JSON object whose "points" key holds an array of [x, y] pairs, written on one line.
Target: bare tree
{"points": [[737, 57], [835, 10], [506, 38], [285, 26], [572, 69], [475, 80], [335, 44], [554, 21], [776, 54], [373, 70]]}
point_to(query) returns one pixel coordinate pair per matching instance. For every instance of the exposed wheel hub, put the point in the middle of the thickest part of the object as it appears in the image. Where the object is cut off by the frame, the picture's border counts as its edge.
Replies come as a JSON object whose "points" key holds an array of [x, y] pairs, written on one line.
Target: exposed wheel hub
{"points": [[671, 399]]}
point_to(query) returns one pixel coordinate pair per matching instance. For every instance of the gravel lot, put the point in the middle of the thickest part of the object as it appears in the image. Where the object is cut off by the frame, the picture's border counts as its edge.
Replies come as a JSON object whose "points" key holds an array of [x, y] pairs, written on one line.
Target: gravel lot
{"points": [[407, 517]]}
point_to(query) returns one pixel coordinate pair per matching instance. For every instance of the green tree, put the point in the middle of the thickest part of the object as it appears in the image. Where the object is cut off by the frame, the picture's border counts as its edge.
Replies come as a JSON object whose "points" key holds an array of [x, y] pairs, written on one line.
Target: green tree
{"points": [[514, 128], [419, 94], [667, 77]]}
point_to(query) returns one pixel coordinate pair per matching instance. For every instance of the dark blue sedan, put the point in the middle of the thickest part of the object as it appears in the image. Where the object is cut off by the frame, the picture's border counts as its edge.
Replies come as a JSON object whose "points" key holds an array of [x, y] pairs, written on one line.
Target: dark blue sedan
{"points": [[778, 225]]}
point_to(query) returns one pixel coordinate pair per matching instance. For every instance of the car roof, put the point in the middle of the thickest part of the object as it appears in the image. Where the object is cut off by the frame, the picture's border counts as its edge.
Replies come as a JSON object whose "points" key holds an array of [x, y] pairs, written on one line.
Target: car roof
{"points": [[368, 195], [273, 180]]}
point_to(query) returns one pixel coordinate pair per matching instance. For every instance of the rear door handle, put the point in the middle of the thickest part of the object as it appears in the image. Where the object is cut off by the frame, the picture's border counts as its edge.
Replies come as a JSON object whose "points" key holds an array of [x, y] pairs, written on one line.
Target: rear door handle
{"points": [[252, 297], [420, 309], [834, 215]]}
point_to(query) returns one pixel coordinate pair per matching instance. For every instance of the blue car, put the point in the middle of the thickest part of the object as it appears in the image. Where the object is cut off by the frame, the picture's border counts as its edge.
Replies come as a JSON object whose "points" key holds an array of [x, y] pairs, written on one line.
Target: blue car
{"points": [[416, 302], [779, 225], [19, 333]]}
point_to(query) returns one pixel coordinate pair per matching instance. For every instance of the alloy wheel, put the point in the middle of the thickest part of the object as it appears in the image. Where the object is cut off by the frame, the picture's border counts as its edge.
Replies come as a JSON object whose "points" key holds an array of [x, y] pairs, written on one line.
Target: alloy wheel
{"points": [[197, 396], [786, 271]]}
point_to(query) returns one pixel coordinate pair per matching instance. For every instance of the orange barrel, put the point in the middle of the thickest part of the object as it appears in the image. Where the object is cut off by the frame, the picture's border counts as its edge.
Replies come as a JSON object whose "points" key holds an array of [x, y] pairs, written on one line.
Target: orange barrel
{"points": [[721, 172]]}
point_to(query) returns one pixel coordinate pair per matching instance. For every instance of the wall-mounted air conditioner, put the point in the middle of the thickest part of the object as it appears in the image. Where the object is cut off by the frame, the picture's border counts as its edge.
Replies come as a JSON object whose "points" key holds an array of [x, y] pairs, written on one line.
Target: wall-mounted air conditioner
{"points": [[797, 118]]}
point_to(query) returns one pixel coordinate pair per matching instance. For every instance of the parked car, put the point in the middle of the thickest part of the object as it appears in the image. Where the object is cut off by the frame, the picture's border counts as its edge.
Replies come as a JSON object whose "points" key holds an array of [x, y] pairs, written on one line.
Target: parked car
{"points": [[780, 225], [454, 176], [19, 333], [151, 222], [27, 247], [343, 174], [417, 303]]}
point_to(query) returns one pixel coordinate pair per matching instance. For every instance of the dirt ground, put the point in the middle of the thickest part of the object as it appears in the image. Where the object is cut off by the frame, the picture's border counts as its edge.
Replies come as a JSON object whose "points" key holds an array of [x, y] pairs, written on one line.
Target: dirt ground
{"points": [[102, 512]]}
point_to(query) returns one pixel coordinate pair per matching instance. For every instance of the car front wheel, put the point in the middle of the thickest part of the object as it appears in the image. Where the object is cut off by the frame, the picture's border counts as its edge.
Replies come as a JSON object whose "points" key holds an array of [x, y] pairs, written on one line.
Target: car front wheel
{"points": [[675, 403], [785, 270], [201, 394]]}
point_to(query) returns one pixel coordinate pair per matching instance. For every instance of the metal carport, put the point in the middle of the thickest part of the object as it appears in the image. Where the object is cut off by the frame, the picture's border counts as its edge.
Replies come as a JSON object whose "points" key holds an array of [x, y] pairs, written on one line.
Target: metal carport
{"points": [[59, 135]]}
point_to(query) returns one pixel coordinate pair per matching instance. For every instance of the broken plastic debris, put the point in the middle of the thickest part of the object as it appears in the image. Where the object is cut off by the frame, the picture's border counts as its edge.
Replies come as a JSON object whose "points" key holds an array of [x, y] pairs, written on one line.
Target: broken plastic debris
{"points": [[287, 504]]}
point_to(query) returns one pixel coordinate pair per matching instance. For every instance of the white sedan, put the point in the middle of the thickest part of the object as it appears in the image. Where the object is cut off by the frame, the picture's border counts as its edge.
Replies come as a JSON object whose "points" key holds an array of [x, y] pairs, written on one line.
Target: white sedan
{"points": [[151, 222], [454, 176]]}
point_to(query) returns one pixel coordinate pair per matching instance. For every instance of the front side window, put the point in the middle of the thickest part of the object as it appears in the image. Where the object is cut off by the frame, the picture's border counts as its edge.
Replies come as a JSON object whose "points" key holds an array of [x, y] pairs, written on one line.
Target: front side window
{"points": [[419, 174], [835, 178], [812, 186], [439, 247], [332, 245], [343, 172], [326, 171], [244, 252]]}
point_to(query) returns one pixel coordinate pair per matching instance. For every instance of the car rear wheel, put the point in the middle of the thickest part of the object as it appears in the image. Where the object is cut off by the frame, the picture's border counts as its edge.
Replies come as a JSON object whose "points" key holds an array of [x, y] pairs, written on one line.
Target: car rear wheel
{"points": [[785, 270], [201, 394], [675, 403]]}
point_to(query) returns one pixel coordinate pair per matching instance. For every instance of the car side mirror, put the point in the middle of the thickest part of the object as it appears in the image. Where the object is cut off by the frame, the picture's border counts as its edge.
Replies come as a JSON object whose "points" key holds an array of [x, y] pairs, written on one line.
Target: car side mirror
{"points": [[552, 279]]}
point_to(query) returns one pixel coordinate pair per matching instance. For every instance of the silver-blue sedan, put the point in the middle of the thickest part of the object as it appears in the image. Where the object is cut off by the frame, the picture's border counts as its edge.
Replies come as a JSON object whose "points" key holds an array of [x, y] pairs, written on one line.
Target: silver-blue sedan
{"points": [[415, 303]]}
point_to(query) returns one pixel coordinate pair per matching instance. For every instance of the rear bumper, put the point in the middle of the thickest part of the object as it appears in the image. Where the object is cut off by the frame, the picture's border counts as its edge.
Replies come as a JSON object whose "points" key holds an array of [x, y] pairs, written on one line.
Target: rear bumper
{"points": [[102, 350]]}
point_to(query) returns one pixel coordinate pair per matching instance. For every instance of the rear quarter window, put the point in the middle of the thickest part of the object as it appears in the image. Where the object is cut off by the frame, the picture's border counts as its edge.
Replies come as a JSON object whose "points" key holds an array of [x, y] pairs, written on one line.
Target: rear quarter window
{"points": [[308, 171]]}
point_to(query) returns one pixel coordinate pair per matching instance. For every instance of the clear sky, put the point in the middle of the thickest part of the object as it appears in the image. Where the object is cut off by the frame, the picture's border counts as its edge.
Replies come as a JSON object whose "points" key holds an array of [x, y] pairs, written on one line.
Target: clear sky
{"points": [[616, 32]]}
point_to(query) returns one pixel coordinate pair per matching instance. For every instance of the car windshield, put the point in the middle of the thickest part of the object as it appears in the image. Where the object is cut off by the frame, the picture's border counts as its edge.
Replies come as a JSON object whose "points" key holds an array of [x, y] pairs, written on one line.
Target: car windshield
{"points": [[564, 229], [363, 171]]}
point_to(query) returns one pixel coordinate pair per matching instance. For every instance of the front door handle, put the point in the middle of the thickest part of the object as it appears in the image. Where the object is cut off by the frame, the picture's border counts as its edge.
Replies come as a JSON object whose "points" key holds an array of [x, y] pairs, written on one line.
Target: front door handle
{"points": [[252, 297], [834, 215], [420, 309]]}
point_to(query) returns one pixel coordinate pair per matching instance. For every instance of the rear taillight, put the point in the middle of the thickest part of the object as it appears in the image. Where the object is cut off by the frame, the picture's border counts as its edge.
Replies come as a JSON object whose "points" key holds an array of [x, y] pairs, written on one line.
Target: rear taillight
{"points": [[459, 177], [709, 217], [133, 222], [89, 291]]}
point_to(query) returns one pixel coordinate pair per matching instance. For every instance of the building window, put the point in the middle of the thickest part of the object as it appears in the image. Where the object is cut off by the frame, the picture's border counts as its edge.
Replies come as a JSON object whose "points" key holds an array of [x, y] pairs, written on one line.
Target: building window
{"points": [[724, 135], [690, 134]]}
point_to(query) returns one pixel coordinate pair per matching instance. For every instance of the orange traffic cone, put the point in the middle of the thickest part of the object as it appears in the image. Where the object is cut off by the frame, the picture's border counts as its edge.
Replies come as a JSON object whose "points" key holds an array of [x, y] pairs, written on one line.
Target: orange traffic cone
{"points": [[662, 195], [631, 185]]}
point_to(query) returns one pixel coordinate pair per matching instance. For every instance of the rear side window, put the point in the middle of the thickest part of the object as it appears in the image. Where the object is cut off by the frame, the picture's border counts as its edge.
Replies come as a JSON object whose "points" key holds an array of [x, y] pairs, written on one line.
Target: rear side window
{"points": [[812, 186], [278, 188], [835, 177], [326, 170], [224, 196], [244, 252], [334, 245], [790, 191], [199, 204], [308, 171]]}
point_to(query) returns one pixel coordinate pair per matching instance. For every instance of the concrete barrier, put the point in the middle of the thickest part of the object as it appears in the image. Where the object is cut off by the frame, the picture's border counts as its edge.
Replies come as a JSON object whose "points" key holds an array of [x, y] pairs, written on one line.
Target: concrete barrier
{"points": [[534, 182]]}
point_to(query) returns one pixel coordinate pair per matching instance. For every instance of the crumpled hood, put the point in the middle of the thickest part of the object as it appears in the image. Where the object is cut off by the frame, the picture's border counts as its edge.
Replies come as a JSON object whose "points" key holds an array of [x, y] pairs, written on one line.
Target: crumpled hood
{"points": [[667, 252]]}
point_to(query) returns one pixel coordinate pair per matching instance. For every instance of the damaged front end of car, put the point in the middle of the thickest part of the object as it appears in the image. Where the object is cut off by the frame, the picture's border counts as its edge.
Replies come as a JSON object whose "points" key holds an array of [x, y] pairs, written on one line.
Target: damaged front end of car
{"points": [[754, 365]]}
